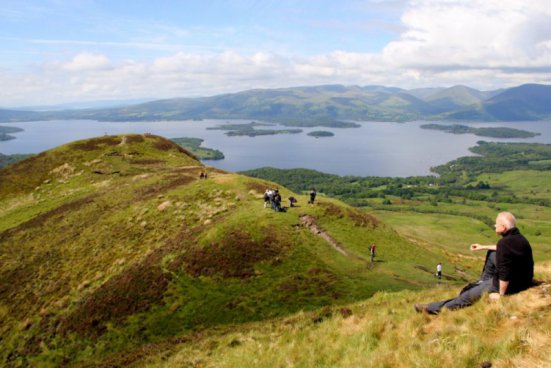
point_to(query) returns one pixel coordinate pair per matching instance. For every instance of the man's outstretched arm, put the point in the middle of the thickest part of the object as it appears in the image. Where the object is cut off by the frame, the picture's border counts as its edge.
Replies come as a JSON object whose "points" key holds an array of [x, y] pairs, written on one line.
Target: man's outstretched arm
{"points": [[477, 246]]}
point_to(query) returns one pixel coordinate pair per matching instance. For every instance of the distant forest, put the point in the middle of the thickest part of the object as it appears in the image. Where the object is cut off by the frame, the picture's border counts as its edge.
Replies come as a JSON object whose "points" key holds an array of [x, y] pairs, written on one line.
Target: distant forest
{"points": [[456, 178]]}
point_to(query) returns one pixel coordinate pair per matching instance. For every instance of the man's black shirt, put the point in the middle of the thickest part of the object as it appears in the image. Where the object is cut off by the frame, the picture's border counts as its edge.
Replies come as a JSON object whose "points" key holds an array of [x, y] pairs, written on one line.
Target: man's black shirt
{"points": [[514, 262]]}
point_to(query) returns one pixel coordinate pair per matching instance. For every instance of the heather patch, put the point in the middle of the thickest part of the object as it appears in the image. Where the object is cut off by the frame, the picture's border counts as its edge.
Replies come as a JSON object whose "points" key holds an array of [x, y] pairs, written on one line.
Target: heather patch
{"points": [[146, 161], [153, 190], [331, 209], [235, 255], [315, 282], [362, 218], [40, 219], [134, 138], [96, 143], [256, 187], [133, 291]]}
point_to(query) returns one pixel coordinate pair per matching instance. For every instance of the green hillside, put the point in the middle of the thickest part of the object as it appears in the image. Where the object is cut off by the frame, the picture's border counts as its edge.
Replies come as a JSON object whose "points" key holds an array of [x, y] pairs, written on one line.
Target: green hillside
{"points": [[447, 213], [112, 245], [383, 331]]}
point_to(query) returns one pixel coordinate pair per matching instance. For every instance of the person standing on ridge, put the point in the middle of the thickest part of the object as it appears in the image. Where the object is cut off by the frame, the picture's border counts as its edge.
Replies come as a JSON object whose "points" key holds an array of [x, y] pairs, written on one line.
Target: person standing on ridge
{"points": [[372, 252], [312, 196], [266, 197], [271, 195], [439, 270], [277, 201]]}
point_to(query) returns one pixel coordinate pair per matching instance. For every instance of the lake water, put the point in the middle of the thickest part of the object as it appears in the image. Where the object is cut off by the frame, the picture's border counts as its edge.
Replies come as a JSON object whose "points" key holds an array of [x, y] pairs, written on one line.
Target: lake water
{"points": [[374, 149]]}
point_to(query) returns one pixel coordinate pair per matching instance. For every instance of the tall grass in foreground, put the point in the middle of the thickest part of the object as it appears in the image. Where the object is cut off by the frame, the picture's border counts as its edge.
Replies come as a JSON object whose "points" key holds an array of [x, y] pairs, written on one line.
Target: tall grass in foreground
{"points": [[385, 331]]}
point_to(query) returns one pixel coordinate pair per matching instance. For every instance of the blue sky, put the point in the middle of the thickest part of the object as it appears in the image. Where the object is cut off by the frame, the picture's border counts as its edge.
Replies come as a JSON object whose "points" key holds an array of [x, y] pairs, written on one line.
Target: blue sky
{"points": [[56, 51], [123, 30]]}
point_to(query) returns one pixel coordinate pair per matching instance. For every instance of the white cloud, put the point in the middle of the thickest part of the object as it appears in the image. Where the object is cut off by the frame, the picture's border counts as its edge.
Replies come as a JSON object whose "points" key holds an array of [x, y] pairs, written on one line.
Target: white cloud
{"points": [[473, 34], [86, 62], [483, 43]]}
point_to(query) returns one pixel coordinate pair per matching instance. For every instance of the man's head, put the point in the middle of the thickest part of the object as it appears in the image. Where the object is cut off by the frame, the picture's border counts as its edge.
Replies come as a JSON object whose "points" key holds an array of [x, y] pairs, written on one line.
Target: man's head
{"points": [[505, 221]]}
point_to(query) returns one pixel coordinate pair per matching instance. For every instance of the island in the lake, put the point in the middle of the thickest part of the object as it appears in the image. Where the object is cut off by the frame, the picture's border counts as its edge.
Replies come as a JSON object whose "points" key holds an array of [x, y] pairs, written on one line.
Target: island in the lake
{"points": [[320, 134], [492, 132], [4, 130], [250, 130], [194, 146]]}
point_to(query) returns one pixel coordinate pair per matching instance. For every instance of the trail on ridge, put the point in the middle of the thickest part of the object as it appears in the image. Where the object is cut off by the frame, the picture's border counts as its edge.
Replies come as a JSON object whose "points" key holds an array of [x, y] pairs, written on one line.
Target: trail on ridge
{"points": [[311, 223]]}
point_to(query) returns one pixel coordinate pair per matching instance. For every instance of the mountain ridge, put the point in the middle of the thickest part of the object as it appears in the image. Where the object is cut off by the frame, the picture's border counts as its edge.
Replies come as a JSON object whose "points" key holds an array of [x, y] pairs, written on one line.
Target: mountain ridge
{"points": [[322, 105]]}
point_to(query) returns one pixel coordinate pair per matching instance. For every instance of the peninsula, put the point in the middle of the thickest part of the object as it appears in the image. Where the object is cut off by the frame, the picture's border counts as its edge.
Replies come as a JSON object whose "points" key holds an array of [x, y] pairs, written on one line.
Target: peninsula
{"points": [[4, 130], [194, 146]]}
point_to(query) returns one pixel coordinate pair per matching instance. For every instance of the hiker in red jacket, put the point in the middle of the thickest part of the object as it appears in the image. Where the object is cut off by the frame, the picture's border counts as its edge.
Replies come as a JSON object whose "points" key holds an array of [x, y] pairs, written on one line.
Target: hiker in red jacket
{"points": [[372, 252]]}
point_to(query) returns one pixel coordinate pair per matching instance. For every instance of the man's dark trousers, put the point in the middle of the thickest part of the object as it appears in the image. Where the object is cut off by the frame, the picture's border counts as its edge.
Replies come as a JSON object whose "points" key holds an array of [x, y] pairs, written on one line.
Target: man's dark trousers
{"points": [[471, 295]]}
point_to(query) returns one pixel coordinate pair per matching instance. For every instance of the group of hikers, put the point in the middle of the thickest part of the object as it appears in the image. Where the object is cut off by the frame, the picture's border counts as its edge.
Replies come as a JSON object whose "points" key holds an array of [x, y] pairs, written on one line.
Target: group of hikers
{"points": [[508, 269], [272, 198]]}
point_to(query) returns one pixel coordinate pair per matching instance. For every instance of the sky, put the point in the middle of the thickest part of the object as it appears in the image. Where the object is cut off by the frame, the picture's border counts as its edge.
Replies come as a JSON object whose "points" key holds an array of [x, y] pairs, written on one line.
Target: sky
{"points": [[66, 51]]}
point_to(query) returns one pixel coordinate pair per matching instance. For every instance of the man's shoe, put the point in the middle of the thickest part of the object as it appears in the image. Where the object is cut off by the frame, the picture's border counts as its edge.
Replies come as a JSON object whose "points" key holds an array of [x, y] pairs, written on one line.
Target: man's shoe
{"points": [[421, 308]]}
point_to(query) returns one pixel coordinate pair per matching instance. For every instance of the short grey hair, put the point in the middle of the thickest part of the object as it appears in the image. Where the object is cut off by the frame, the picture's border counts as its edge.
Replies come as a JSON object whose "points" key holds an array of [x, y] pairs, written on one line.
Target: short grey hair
{"points": [[508, 219]]}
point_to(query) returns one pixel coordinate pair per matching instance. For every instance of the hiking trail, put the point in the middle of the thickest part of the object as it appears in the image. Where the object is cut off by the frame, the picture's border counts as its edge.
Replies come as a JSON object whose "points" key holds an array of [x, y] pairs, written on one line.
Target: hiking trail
{"points": [[310, 222]]}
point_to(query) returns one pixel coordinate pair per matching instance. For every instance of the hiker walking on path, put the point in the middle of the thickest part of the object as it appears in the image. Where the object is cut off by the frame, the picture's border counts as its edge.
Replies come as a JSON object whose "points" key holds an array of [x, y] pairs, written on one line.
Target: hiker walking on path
{"points": [[439, 271], [372, 252], [512, 268], [312, 196]]}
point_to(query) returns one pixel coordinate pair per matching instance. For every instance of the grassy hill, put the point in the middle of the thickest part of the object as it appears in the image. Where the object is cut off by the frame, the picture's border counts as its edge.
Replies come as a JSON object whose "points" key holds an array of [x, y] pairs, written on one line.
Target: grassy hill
{"points": [[448, 212], [383, 331], [112, 246]]}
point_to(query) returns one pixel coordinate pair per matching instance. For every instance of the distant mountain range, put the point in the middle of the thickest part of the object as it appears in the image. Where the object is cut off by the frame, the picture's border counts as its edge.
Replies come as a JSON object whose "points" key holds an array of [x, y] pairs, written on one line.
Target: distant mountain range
{"points": [[100, 104], [323, 105]]}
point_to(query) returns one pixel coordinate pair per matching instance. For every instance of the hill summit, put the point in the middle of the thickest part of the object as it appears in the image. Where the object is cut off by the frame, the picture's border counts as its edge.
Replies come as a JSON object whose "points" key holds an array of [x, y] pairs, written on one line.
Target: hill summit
{"points": [[111, 243]]}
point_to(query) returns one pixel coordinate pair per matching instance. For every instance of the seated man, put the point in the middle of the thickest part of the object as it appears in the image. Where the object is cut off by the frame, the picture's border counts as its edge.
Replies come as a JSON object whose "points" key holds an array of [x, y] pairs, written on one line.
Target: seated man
{"points": [[511, 271]]}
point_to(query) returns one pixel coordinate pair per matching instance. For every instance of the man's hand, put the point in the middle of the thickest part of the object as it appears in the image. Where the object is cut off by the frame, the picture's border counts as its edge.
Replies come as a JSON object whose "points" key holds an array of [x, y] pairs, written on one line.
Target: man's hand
{"points": [[494, 296], [475, 246]]}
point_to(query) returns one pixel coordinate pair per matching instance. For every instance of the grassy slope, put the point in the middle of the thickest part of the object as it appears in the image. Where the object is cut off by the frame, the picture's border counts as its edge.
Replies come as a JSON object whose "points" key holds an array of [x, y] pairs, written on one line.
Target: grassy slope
{"points": [[453, 226], [383, 331], [111, 244], [512, 333]]}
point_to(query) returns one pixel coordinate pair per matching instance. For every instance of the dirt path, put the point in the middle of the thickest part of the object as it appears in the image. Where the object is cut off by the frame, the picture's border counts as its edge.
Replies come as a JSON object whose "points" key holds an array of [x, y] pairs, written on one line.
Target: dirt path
{"points": [[310, 222]]}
